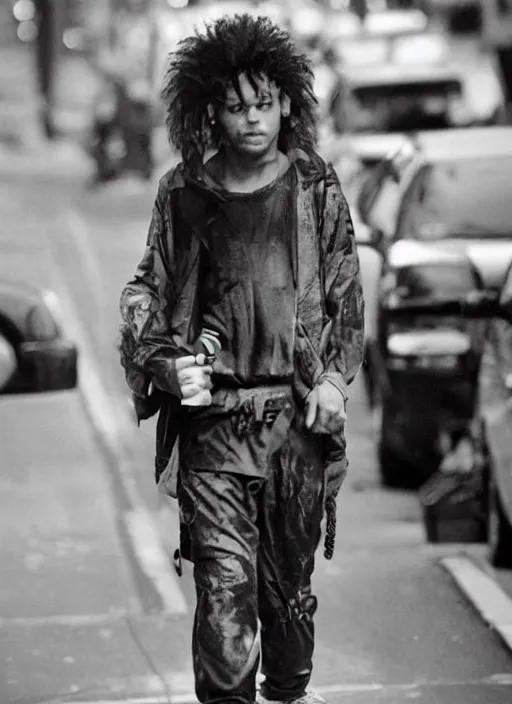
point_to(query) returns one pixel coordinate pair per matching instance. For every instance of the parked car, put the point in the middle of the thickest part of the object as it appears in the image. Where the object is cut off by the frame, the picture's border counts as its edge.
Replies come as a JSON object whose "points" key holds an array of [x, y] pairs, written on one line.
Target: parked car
{"points": [[35, 354], [398, 73], [371, 105], [492, 414], [441, 195]]}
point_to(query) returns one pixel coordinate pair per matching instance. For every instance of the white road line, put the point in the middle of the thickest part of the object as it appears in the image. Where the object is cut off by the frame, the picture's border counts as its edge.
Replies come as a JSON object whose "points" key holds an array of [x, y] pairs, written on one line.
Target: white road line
{"points": [[146, 541], [489, 599]]}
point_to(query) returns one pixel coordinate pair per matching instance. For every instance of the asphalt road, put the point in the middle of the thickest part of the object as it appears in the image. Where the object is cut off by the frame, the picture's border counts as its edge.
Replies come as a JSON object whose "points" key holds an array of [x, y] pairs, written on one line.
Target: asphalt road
{"points": [[391, 625]]}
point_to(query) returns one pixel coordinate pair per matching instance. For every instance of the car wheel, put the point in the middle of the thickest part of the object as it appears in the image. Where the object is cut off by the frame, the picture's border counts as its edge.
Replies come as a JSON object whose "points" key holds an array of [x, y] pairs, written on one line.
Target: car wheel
{"points": [[393, 473], [500, 531], [386, 459]]}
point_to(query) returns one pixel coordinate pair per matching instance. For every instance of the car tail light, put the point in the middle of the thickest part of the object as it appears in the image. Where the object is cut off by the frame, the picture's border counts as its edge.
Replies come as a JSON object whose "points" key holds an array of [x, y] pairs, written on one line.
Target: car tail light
{"points": [[445, 361]]}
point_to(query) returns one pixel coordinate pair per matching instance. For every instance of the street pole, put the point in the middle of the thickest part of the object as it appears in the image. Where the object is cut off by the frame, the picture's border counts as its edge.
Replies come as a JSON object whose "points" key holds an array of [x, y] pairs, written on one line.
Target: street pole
{"points": [[47, 48], [497, 35]]}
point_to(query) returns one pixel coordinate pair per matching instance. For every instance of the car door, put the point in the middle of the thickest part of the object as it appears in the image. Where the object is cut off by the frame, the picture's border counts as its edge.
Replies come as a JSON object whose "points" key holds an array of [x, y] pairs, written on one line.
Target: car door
{"points": [[496, 403], [378, 205]]}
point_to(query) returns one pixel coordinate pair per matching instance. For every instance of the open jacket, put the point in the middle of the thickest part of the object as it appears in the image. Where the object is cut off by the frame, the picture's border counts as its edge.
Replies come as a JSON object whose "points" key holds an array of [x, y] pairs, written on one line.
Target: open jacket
{"points": [[159, 307]]}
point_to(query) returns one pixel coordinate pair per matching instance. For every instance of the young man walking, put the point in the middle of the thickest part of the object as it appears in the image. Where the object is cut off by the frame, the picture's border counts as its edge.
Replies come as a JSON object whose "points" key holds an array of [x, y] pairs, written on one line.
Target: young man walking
{"points": [[250, 255]]}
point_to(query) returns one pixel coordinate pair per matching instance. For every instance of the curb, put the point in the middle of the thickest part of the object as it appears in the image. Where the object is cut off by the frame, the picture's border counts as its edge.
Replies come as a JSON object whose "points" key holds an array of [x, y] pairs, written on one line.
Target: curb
{"points": [[488, 598], [140, 530], [151, 565]]}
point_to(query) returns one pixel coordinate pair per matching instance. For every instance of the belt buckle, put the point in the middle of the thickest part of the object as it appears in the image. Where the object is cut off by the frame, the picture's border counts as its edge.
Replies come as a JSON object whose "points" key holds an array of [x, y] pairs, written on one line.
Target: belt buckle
{"points": [[242, 420], [269, 416], [272, 409]]}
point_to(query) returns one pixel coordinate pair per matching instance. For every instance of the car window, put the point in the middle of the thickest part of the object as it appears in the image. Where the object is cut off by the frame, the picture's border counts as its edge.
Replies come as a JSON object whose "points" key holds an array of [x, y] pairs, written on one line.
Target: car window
{"points": [[396, 106], [370, 263], [501, 336], [463, 198], [383, 215], [371, 187], [381, 195]]}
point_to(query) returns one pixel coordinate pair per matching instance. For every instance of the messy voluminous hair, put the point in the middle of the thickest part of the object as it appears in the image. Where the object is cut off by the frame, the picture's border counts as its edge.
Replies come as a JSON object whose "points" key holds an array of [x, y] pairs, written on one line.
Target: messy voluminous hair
{"points": [[207, 63]]}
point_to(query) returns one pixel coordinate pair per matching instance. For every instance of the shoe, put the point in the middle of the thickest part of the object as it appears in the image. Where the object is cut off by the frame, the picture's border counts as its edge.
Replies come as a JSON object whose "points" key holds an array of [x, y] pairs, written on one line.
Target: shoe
{"points": [[308, 697]]}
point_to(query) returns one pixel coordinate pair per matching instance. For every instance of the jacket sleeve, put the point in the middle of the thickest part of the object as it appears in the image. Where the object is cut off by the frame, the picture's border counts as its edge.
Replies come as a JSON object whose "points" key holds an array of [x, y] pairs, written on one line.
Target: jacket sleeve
{"points": [[148, 347], [342, 342]]}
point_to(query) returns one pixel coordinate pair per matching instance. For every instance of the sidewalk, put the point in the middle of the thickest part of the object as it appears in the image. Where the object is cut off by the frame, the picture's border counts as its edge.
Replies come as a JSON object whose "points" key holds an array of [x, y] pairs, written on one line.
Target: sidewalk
{"points": [[80, 618], [73, 609], [66, 594]]}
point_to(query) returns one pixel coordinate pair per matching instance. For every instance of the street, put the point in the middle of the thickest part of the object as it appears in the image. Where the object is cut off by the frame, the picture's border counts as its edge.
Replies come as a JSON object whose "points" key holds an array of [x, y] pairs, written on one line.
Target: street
{"points": [[91, 609], [392, 625]]}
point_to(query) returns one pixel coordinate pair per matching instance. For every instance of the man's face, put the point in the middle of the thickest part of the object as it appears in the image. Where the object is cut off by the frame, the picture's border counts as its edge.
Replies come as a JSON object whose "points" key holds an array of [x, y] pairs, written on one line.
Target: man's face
{"points": [[251, 126]]}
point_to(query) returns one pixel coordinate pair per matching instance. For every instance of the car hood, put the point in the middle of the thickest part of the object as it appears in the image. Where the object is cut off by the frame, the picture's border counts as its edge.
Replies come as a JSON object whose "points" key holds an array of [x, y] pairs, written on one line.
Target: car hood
{"points": [[491, 258]]}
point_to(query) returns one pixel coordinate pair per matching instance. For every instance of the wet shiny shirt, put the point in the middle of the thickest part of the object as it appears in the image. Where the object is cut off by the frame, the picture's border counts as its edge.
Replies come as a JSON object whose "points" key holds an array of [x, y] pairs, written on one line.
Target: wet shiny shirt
{"points": [[248, 294]]}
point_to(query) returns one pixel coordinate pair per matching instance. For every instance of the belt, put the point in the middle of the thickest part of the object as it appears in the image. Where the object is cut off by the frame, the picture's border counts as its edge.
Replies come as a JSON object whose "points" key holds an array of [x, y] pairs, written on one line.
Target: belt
{"points": [[248, 409], [251, 409], [254, 413]]}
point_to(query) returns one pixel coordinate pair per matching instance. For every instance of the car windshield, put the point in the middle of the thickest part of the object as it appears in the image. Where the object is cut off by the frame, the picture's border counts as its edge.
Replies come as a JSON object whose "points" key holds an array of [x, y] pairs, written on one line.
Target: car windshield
{"points": [[402, 106], [463, 198]]}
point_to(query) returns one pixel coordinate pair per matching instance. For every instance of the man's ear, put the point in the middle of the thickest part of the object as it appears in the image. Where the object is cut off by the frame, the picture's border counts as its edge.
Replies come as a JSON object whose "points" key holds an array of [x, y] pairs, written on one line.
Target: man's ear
{"points": [[285, 105], [211, 114]]}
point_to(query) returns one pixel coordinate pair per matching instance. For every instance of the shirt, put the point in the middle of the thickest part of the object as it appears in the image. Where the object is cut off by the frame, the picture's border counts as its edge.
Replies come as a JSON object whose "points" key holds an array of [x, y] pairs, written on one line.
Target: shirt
{"points": [[249, 293]]}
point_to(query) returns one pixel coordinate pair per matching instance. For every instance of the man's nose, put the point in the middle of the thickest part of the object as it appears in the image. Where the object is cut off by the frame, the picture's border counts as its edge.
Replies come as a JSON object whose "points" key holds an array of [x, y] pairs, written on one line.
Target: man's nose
{"points": [[252, 114]]}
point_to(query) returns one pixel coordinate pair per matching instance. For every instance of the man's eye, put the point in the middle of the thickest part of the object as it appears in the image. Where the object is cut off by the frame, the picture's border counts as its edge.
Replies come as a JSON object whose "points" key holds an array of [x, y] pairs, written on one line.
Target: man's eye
{"points": [[235, 109], [265, 106]]}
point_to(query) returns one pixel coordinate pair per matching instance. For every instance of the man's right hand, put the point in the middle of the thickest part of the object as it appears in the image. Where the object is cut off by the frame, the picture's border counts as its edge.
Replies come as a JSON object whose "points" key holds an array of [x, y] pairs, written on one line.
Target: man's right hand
{"points": [[193, 377]]}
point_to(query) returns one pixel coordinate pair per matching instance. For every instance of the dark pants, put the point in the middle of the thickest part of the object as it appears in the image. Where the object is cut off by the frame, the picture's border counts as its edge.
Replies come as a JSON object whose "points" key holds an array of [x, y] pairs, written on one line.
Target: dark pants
{"points": [[252, 541]]}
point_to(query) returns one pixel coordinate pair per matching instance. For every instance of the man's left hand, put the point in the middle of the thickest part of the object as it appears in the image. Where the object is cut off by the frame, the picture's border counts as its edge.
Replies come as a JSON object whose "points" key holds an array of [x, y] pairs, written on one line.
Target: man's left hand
{"points": [[325, 409]]}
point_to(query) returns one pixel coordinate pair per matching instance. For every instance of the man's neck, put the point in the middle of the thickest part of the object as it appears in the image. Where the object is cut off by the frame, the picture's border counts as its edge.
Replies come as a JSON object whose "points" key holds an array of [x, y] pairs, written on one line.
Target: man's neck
{"points": [[243, 174]]}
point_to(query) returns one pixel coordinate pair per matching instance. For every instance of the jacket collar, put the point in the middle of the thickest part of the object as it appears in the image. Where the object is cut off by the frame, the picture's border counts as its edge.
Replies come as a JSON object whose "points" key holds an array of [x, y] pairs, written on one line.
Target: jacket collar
{"points": [[310, 168]]}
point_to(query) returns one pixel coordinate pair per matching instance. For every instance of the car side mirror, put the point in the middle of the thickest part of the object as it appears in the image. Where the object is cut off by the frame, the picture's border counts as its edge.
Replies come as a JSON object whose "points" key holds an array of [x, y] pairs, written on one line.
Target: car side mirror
{"points": [[36, 367], [34, 342]]}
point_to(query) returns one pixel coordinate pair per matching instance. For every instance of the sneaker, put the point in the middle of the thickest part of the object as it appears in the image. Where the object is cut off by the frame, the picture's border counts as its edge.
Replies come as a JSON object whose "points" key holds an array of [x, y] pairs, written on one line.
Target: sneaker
{"points": [[309, 697]]}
